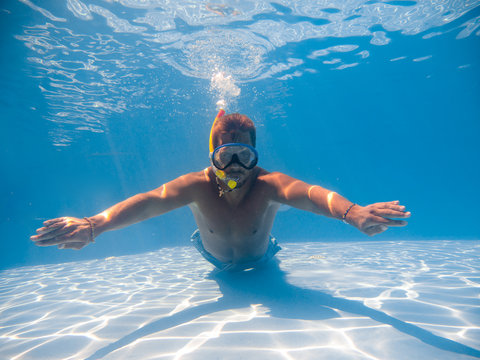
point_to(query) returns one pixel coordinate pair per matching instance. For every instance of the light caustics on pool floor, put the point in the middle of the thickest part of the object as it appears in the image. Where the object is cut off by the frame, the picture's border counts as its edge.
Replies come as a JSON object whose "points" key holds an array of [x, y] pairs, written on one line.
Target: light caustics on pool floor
{"points": [[346, 300]]}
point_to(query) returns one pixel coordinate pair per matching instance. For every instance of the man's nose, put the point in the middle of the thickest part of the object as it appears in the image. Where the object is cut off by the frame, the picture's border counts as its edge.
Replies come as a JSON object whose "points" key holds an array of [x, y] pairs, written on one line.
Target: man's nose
{"points": [[235, 166]]}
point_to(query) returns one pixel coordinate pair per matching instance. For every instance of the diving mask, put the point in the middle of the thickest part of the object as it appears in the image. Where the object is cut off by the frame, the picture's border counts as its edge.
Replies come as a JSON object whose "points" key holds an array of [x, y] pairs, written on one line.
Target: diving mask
{"points": [[234, 153]]}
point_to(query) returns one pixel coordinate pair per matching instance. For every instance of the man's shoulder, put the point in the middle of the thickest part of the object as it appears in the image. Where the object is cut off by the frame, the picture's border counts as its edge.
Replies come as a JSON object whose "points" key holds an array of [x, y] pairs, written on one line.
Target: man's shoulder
{"points": [[274, 180], [271, 176], [190, 183], [196, 177]]}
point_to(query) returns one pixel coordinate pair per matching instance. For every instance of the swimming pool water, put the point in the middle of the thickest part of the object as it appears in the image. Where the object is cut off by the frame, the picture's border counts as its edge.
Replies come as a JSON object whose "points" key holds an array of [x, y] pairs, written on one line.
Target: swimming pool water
{"points": [[377, 100], [102, 100]]}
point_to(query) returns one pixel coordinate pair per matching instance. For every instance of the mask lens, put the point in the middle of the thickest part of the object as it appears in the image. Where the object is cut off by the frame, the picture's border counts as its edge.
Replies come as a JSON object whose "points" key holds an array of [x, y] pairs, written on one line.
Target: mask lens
{"points": [[225, 155], [244, 156]]}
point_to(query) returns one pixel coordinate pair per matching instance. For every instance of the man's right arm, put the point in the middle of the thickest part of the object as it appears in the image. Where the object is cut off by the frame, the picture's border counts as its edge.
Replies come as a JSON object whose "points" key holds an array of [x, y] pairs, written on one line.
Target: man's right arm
{"points": [[168, 197], [74, 233]]}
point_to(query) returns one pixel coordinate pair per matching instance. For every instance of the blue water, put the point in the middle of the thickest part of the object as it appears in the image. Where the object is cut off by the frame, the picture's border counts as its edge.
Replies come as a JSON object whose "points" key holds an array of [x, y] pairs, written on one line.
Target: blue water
{"points": [[375, 100]]}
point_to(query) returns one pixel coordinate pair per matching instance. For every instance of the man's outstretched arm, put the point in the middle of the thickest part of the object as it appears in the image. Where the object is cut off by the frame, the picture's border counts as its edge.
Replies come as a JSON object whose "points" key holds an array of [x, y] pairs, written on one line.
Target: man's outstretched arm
{"points": [[75, 233], [371, 219]]}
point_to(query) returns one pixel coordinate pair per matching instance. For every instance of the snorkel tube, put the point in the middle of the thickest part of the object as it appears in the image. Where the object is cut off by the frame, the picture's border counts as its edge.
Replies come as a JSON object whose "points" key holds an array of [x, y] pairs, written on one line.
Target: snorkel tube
{"points": [[231, 183]]}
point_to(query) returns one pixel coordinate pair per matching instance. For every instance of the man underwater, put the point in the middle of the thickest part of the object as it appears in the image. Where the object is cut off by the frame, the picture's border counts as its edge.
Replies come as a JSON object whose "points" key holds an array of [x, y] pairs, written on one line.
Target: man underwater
{"points": [[234, 203]]}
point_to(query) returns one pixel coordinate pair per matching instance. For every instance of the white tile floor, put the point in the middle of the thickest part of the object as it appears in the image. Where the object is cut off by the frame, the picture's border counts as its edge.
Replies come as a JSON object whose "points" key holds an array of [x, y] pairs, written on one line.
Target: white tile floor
{"points": [[345, 300]]}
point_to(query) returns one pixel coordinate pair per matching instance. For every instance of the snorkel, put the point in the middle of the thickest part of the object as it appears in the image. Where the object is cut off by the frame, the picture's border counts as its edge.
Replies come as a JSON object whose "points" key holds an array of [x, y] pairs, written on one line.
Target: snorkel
{"points": [[231, 182]]}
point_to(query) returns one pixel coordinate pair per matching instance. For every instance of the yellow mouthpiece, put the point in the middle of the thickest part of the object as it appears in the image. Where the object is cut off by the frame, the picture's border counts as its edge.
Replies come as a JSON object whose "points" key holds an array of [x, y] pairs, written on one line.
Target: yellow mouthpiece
{"points": [[220, 174]]}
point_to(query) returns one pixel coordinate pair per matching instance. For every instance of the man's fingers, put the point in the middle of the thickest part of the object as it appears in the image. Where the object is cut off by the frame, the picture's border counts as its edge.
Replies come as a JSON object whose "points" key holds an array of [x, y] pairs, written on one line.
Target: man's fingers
{"points": [[51, 234], [48, 231], [60, 238], [395, 205], [50, 228], [384, 214], [393, 213], [62, 232], [388, 222], [53, 221], [387, 203]]}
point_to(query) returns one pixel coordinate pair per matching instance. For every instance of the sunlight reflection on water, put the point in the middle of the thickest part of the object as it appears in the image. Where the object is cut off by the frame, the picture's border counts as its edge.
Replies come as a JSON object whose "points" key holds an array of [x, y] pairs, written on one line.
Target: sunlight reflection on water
{"points": [[96, 61]]}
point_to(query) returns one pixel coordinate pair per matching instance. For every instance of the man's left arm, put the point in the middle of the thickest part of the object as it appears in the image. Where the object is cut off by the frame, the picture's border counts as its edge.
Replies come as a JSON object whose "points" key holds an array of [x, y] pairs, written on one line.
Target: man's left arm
{"points": [[370, 219]]}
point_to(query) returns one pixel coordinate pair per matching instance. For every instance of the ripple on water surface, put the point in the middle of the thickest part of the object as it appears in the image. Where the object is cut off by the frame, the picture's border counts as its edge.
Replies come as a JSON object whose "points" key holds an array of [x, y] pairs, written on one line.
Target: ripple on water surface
{"points": [[96, 61]]}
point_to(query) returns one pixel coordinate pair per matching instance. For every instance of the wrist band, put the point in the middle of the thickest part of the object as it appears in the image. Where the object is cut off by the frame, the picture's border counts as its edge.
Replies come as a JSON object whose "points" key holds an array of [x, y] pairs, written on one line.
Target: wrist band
{"points": [[92, 229], [344, 217]]}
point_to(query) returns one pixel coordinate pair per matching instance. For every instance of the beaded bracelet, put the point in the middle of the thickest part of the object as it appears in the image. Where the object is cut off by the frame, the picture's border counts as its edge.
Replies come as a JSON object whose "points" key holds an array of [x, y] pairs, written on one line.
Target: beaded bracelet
{"points": [[344, 217], [92, 230]]}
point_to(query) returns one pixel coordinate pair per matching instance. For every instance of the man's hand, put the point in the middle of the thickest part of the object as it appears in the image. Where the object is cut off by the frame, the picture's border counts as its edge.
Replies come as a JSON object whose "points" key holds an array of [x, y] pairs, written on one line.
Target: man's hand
{"points": [[376, 218], [65, 232]]}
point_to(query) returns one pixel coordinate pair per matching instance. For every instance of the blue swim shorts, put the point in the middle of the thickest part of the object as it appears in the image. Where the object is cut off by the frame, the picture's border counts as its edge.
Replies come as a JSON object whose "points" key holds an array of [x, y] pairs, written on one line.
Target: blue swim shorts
{"points": [[272, 249]]}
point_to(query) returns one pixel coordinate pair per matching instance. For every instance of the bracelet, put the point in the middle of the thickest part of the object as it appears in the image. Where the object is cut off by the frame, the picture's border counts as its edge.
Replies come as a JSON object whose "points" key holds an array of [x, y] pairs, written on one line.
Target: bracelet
{"points": [[92, 229], [344, 217]]}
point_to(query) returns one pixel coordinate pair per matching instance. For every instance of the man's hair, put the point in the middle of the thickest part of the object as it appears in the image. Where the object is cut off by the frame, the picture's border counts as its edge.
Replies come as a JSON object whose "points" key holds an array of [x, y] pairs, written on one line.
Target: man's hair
{"points": [[233, 123]]}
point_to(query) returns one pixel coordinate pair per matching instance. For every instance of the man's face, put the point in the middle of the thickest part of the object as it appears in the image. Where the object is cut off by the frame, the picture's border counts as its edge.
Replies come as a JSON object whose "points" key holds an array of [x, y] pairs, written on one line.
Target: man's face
{"points": [[235, 170]]}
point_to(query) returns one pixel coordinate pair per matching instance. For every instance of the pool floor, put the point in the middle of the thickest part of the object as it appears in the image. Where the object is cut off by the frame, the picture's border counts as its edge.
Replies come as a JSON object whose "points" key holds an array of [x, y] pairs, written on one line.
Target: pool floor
{"points": [[325, 300]]}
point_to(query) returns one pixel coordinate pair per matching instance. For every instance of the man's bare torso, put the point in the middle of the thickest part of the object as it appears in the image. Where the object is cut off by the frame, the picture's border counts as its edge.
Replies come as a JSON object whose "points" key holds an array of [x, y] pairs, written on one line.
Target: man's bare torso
{"points": [[234, 227]]}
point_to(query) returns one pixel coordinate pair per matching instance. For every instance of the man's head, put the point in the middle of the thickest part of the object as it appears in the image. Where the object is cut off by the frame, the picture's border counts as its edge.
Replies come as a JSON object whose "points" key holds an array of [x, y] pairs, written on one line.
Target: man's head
{"points": [[233, 128], [228, 129]]}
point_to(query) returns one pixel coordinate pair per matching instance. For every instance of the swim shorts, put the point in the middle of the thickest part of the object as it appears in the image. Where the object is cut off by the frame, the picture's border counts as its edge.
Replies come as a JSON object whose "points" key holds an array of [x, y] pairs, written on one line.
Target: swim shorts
{"points": [[272, 249]]}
